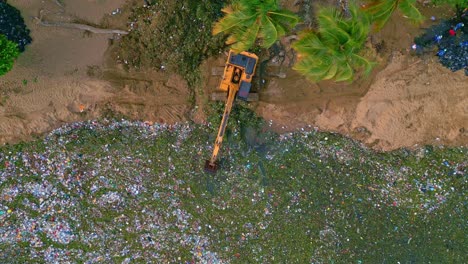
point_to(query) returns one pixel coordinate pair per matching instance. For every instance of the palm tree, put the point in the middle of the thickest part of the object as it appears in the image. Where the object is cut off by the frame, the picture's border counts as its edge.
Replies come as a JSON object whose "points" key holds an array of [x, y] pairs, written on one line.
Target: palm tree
{"points": [[247, 21], [381, 11], [333, 50]]}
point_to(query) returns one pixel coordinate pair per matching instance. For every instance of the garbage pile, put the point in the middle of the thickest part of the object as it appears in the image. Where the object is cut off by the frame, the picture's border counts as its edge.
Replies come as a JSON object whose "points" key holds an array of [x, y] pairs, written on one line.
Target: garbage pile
{"points": [[12, 25], [449, 38], [135, 192]]}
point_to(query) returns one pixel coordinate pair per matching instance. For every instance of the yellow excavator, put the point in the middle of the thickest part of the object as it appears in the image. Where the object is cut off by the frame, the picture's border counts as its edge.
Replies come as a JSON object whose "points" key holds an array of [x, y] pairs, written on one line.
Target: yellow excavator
{"points": [[236, 82]]}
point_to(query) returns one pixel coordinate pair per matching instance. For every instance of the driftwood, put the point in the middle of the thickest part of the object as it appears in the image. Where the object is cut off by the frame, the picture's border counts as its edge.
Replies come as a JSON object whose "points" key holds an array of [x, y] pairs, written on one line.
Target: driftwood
{"points": [[83, 27], [78, 26]]}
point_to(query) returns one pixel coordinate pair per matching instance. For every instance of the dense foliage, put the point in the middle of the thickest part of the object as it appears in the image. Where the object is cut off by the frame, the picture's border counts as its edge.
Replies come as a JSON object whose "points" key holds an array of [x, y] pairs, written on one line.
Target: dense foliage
{"points": [[381, 10], [247, 21], [12, 25], [8, 53], [333, 50], [172, 35]]}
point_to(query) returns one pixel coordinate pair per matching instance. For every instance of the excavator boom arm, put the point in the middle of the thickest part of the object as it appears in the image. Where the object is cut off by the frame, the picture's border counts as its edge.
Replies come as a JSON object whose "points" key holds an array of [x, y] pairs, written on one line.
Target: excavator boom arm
{"points": [[222, 126]]}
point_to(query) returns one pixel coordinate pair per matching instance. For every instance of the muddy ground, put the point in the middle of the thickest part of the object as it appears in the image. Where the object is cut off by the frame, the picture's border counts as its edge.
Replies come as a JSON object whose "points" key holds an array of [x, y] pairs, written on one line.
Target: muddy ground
{"points": [[67, 75]]}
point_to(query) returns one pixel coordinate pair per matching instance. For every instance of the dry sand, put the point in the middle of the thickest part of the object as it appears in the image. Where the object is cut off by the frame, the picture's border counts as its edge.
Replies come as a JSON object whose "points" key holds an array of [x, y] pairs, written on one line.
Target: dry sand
{"points": [[406, 101], [63, 76], [409, 102]]}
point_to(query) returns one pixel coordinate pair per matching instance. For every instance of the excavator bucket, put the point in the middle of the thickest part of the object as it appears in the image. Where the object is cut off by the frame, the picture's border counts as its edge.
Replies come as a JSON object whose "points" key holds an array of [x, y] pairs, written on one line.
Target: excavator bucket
{"points": [[211, 168]]}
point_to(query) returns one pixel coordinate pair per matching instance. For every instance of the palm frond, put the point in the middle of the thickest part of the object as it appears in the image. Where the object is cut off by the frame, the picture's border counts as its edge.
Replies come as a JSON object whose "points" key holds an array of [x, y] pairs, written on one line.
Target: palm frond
{"points": [[408, 8], [286, 16], [228, 9], [332, 51], [315, 70], [268, 32], [344, 73], [248, 38], [227, 23], [310, 44], [332, 70], [231, 40], [263, 17], [381, 11], [360, 61]]}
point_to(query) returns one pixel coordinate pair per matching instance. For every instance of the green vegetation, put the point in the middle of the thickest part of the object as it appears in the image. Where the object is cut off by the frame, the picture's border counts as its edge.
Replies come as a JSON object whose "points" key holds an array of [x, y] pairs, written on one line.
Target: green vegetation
{"points": [[455, 3], [173, 35], [333, 51], [247, 21], [8, 53], [459, 5], [381, 10]]}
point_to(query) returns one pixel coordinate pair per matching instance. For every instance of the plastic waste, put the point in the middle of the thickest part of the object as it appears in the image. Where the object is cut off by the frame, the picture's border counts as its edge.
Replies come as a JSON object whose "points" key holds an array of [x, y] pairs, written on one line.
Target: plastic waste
{"points": [[458, 26], [441, 52]]}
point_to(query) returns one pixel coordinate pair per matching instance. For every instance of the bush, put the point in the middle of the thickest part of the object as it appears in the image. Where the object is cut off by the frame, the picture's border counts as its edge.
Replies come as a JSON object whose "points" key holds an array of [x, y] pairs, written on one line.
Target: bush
{"points": [[173, 35], [12, 26], [8, 53]]}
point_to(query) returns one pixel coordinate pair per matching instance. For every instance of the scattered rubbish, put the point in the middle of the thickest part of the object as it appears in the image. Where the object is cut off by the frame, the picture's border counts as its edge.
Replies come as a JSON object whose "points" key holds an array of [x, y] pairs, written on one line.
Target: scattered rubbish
{"points": [[441, 52], [451, 39], [458, 26], [98, 191], [116, 12]]}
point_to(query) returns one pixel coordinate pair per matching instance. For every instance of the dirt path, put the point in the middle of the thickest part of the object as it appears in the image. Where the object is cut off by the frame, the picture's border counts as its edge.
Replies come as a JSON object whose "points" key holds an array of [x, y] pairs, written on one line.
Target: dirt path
{"points": [[67, 75]]}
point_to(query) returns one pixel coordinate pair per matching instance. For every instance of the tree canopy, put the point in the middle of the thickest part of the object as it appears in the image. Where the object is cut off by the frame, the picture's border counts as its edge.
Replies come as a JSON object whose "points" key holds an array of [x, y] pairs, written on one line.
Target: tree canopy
{"points": [[333, 50], [381, 10], [247, 21]]}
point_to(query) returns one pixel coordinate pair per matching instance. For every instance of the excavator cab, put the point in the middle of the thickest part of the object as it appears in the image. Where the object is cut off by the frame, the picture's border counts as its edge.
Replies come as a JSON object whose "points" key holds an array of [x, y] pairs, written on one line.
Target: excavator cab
{"points": [[236, 82]]}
